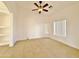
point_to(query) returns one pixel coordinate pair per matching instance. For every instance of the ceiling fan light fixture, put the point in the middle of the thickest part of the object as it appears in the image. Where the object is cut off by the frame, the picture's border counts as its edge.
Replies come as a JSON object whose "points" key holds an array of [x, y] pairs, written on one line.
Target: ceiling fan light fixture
{"points": [[40, 9]]}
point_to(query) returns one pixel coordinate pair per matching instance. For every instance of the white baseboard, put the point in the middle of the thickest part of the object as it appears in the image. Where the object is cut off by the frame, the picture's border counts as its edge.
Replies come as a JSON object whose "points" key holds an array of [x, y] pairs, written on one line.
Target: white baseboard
{"points": [[66, 43], [37, 37]]}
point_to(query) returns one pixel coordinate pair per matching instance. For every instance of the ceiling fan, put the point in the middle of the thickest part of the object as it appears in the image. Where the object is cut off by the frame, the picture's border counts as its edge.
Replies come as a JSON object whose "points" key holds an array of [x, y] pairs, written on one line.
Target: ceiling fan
{"points": [[41, 8]]}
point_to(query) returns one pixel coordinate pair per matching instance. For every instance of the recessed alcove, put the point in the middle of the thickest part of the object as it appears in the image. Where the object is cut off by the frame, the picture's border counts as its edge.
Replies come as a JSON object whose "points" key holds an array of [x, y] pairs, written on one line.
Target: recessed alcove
{"points": [[5, 25]]}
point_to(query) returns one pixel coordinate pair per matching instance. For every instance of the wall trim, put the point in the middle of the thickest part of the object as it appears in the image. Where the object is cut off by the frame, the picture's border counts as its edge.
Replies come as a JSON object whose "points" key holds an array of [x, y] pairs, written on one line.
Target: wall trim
{"points": [[45, 37], [66, 43]]}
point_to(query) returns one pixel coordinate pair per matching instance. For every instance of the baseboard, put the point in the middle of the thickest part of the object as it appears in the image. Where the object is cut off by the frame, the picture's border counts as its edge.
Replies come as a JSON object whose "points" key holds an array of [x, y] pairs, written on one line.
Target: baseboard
{"points": [[33, 38], [66, 43], [45, 37], [38, 37], [20, 40]]}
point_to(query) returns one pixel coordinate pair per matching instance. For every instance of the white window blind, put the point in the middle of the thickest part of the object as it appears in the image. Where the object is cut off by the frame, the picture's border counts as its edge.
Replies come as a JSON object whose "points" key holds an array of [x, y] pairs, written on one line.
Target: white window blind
{"points": [[60, 28]]}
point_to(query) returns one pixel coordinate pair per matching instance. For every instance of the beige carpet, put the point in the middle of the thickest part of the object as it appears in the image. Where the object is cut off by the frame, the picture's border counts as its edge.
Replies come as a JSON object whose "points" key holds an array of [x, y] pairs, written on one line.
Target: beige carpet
{"points": [[38, 48]]}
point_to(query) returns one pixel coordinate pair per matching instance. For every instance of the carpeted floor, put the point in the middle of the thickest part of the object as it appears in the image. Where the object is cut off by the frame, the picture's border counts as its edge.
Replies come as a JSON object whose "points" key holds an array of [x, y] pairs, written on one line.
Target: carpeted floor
{"points": [[38, 48]]}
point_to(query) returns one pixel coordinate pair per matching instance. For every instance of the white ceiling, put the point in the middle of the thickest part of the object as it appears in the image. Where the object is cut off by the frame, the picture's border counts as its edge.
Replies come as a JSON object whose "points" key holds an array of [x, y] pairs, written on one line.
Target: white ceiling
{"points": [[28, 5]]}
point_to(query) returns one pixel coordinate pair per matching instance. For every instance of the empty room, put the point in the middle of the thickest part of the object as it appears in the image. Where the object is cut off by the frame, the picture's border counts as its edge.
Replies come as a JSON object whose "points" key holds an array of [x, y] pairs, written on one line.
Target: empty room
{"points": [[39, 29]]}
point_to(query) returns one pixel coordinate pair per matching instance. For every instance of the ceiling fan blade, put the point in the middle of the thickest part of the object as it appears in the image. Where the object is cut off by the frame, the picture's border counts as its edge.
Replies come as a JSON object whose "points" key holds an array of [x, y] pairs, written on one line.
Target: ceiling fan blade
{"points": [[45, 5], [39, 12], [36, 4], [40, 2], [45, 10], [50, 6], [34, 9]]}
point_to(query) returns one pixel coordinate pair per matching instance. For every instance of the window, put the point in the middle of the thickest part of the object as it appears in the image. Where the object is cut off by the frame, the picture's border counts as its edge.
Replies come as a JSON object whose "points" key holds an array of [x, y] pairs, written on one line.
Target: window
{"points": [[60, 28]]}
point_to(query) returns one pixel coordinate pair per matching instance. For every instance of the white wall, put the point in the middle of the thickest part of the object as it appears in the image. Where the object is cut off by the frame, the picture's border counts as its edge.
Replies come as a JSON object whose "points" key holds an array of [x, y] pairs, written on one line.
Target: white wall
{"points": [[27, 24], [71, 14]]}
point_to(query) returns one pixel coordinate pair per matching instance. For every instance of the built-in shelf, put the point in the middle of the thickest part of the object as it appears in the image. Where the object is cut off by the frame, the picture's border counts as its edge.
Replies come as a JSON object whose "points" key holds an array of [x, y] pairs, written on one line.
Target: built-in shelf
{"points": [[3, 34], [5, 29], [6, 25], [4, 43], [3, 26]]}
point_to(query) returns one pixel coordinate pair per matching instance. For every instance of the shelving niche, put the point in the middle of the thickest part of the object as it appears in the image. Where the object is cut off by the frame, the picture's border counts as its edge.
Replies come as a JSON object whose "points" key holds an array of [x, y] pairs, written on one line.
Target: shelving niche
{"points": [[5, 29], [6, 26]]}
